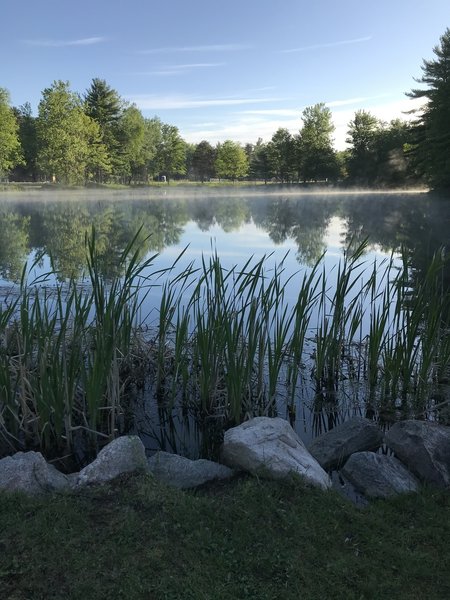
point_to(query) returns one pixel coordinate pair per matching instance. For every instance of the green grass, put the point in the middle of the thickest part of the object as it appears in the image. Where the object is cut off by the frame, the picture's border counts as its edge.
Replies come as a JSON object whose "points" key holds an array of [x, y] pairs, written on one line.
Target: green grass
{"points": [[137, 539]]}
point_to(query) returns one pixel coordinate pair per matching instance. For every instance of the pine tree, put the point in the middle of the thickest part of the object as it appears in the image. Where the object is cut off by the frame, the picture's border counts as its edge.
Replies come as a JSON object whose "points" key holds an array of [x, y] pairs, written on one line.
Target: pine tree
{"points": [[431, 150], [104, 105]]}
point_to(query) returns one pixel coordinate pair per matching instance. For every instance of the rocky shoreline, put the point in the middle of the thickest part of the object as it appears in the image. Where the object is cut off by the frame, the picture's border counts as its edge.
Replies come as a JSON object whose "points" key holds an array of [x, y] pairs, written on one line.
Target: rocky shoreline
{"points": [[414, 453]]}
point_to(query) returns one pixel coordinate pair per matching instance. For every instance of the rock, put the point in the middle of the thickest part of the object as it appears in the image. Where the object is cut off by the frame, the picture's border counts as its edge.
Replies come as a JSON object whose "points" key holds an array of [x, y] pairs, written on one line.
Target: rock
{"points": [[424, 447], [30, 473], [183, 473], [355, 435], [378, 475], [271, 447], [123, 455]]}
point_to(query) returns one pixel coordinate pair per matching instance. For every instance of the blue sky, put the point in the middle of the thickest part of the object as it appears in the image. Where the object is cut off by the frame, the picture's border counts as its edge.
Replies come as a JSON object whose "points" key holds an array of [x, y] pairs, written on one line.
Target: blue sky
{"points": [[235, 69]]}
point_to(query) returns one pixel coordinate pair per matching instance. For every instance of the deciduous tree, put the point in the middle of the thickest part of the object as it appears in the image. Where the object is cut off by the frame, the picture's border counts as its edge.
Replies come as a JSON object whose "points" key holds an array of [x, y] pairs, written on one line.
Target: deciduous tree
{"points": [[69, 142], [203, 161], [281, 155], [10, 149], [171, 152], [231, 161], [27, 170], [363, 132], [316, 156]]}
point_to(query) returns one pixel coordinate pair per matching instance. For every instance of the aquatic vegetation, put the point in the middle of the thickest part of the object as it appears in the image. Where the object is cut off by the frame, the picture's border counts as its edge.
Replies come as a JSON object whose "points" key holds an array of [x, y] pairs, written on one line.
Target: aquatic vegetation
{"points": [[227, 344]]}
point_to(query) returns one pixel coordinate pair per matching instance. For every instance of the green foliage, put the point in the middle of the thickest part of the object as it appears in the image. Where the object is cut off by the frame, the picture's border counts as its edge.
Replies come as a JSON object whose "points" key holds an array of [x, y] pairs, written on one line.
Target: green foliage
{"points": [[10, 148], [231, 160], [171, 152], [14, 244], [362, 137], [260, 167], [316, 156], [281, 155], [60, 365], [203, 161], [104, 105], [431, 146], [27, 135], [131, 156], [377, 151], [69, 142]]}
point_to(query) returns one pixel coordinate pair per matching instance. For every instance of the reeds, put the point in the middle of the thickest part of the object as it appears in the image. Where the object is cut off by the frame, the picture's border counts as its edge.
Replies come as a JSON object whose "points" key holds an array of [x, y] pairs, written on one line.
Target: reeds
{"points": [[63, 348], [227, 344]]}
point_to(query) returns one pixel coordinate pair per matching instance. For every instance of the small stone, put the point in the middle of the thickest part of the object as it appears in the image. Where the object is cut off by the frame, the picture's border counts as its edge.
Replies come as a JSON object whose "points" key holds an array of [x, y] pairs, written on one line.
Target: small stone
{"points": [[183, 473]]}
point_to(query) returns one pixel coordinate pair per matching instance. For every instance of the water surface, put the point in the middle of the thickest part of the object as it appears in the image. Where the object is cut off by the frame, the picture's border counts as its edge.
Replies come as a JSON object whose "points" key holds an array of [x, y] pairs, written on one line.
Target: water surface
{"points": [[296, 228]]}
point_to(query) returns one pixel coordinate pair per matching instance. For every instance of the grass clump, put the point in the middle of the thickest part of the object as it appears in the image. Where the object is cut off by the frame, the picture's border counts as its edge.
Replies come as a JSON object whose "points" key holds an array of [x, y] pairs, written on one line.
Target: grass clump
{"points": [[246, 539]]}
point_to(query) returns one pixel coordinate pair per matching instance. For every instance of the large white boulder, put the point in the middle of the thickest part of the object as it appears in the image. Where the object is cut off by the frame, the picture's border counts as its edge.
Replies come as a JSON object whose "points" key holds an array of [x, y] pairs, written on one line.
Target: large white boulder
{"points": [[123, 455], [270, 447], [30, 473], [184, 473]]}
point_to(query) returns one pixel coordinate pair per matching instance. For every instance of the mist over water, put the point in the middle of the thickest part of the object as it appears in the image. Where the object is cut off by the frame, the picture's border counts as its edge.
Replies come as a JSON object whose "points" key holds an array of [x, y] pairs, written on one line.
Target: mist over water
{"points": [[289, 227], [237, 222]]}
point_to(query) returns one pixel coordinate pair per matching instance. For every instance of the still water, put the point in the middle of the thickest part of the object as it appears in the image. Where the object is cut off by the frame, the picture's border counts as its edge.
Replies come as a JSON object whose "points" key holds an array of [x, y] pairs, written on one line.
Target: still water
{"points": [[296, 228]]}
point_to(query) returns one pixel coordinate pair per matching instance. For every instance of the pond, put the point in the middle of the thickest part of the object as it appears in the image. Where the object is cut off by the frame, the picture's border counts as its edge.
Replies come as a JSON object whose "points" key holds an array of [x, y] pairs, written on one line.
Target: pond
{"points": [[296, 229]]}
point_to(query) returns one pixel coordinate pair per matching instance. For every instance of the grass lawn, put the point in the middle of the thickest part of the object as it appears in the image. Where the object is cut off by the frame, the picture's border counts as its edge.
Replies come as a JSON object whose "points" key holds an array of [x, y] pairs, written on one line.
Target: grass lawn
{"points": [[248, 538]]}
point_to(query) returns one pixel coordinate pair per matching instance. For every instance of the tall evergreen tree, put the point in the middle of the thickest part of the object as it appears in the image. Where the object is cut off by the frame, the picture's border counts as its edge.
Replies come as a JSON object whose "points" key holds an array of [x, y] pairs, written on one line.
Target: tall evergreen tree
{"points": [[104, 105], [431, 150]]}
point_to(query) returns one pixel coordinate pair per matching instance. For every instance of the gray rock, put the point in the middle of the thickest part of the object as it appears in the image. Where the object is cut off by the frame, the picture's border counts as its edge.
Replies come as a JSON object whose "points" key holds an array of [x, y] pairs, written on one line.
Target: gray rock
{"points": [[183, 473], [271, 447], [424, 448], [30, 473], [378, 475], [123, 455], [355, 435]]}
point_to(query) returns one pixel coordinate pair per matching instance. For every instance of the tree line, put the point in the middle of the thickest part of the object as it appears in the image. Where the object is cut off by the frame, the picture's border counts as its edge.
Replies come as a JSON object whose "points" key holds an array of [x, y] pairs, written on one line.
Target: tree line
{"points": [[99, 137]]}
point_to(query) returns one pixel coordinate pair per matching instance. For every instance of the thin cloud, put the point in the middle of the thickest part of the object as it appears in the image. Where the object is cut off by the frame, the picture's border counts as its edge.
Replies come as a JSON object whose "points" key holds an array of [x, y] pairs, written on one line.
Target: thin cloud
{"points": [[244, 129], [180, 69], [276, 112], [329, 45], [210, 48], [336, 103], [146, 102], [196, 65], [248, 128], [63, 43]]}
